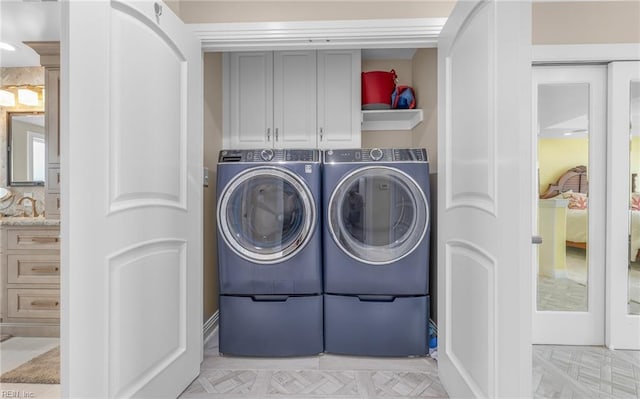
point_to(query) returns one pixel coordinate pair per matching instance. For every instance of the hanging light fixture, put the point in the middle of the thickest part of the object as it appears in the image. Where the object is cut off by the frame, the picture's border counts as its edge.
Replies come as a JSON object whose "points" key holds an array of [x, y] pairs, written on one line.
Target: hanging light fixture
{"points": [[7, 99], [27, 97]]}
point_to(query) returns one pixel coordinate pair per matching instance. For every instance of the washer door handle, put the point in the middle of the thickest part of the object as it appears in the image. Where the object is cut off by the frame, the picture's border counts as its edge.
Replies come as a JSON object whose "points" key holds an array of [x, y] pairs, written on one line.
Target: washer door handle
{"points": [[270, 298], [376, 298]]}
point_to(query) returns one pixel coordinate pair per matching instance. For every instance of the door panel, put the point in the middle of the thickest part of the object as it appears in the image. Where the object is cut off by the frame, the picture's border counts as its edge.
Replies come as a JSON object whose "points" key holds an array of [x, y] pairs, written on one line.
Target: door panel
{"points": [[623, 220], [485, 167], [570, 131], [144, 174], [132, 279]]}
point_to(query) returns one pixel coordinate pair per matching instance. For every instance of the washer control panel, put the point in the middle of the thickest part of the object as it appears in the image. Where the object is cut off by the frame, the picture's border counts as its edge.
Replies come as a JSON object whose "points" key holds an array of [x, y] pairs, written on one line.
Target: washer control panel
{"points": [[376, 155], [269, 155]]}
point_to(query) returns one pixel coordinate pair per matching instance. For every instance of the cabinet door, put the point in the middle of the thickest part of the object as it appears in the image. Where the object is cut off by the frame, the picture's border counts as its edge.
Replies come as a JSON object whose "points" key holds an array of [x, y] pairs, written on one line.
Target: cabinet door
{"points": [[250, 100], [339, 99], [294, 100]]}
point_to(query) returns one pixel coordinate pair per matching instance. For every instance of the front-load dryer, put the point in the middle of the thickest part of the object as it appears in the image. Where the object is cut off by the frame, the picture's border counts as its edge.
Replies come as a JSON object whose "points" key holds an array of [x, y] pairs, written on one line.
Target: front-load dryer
{"points": [[376, 251], [270, 252]]}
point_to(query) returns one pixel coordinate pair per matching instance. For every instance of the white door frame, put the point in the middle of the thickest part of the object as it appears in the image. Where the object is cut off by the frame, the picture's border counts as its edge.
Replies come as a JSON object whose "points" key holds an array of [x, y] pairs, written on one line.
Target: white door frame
{"points": [[590, 53]]}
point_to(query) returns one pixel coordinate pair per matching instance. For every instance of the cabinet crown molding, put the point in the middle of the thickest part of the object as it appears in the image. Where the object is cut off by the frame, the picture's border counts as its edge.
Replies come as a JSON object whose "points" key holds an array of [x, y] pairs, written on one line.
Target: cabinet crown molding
{"points": [[347, 34], [49, 53]]}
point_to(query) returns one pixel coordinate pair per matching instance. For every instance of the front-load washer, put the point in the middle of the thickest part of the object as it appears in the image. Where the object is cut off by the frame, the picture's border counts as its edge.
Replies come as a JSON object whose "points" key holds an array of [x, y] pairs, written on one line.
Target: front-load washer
{"points": [[376, 251], [270, 252]]}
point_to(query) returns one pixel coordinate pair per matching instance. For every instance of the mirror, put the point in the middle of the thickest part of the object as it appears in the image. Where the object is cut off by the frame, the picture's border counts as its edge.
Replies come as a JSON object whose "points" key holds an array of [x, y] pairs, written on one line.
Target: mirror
{"points": [[563, 215], [25, 149]]}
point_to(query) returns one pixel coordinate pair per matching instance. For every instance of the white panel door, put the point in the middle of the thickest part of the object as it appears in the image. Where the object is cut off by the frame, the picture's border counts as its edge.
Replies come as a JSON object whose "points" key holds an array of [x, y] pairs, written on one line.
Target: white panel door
{"points": [[569, 105], [132, 210], [623, 212], [249, 100], [339, 98], [484, 197], [294, 99]]}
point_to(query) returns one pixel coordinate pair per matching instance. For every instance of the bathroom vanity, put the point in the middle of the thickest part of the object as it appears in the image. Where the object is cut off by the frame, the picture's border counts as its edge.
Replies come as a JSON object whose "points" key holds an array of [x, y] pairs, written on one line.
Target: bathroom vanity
{"points": [[30, 276]]}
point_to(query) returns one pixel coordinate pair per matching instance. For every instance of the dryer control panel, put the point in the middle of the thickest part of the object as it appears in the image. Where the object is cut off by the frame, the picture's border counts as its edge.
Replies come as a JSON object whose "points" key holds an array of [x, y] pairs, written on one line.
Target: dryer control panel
{"points": [[376, 155], [269, 155]]}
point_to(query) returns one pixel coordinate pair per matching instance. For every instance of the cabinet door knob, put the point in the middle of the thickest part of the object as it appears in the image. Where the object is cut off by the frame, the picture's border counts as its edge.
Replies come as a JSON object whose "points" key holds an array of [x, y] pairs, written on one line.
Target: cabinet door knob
{"points": [[268, 134], [321, 133], [276, 133]]}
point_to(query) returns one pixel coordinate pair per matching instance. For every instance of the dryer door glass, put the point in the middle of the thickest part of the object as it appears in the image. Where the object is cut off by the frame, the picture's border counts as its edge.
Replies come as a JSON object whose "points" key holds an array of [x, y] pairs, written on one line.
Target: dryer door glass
{"points": [[378, 215], [266, 214]]}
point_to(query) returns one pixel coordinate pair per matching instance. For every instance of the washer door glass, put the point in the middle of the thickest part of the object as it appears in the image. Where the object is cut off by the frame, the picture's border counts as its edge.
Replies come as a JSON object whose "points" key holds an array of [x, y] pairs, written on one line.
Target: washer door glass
{"points": [[378, 215], [266, 214]]}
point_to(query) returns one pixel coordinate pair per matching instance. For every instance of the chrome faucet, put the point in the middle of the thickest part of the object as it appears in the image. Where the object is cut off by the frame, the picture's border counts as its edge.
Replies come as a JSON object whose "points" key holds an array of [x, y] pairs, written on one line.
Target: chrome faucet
{"points": [[34, 211]]}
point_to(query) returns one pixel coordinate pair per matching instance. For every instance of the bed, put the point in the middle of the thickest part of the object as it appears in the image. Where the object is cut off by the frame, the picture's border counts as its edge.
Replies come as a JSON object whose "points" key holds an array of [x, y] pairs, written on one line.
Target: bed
{"points": [[573, 185]]}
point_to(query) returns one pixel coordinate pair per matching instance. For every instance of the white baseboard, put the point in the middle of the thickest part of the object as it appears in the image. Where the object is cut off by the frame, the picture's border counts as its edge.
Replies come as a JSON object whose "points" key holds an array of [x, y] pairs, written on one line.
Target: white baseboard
{"points": [[209, 326]]}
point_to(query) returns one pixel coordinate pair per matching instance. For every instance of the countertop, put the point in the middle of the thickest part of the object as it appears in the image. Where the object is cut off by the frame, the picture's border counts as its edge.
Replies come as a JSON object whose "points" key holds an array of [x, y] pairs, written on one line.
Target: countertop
{"points": [[27, 221]]}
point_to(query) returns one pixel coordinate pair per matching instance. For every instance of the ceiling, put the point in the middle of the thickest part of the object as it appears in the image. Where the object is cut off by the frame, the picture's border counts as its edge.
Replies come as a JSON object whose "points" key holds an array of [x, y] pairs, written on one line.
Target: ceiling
{"points": [[27, 21]]}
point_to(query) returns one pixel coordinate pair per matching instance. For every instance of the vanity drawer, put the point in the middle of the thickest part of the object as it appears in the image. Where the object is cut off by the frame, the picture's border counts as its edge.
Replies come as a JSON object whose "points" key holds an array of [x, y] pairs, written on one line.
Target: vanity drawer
{"points": [[52, 206], [33, 269], [33, 303], [33, 239], [53, 180]]}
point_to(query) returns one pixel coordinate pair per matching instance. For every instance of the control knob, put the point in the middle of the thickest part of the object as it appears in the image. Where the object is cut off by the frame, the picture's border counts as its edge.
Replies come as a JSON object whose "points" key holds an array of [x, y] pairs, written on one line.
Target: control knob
{"points": [[376, 154], [266, 155]]}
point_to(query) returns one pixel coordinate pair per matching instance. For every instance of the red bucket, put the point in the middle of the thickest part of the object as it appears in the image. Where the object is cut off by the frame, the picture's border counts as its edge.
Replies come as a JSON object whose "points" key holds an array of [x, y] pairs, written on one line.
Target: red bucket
{"points": [[377, 87]]}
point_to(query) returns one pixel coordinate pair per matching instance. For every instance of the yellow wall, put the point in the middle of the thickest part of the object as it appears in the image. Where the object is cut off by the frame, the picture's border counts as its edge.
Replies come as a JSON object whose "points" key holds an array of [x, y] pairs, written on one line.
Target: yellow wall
{"points": [[556, 156]]}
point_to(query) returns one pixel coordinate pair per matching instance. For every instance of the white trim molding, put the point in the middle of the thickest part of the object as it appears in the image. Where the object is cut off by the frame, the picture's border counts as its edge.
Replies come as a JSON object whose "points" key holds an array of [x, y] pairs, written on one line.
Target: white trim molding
{"points": [[585, 53], [209, 326], [347, 34]]}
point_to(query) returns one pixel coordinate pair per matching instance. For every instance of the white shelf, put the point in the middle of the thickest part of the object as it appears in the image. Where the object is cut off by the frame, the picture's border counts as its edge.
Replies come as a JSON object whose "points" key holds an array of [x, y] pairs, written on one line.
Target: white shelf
{"points": [[391, 119]]}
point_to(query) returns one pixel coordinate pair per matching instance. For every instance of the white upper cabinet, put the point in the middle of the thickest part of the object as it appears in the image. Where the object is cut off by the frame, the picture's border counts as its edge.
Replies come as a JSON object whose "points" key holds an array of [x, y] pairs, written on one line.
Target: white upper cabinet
{"points": [[292, 99], [339, 99], [248, 121]]}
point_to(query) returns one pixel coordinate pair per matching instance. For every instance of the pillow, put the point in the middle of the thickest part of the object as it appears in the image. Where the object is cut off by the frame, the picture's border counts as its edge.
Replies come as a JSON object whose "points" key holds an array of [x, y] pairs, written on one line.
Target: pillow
{"points": [[577, 201], [635, 202]]}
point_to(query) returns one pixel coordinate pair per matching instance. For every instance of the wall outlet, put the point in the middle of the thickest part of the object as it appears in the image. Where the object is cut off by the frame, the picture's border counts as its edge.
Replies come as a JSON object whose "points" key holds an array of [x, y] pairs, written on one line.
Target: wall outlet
{"points": [[205, 177]]}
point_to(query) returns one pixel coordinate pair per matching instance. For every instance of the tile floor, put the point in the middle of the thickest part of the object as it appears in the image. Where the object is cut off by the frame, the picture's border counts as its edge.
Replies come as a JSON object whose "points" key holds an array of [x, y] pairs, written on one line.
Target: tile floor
{"points": [[324, 376], [558, 372], [585, 372]]}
